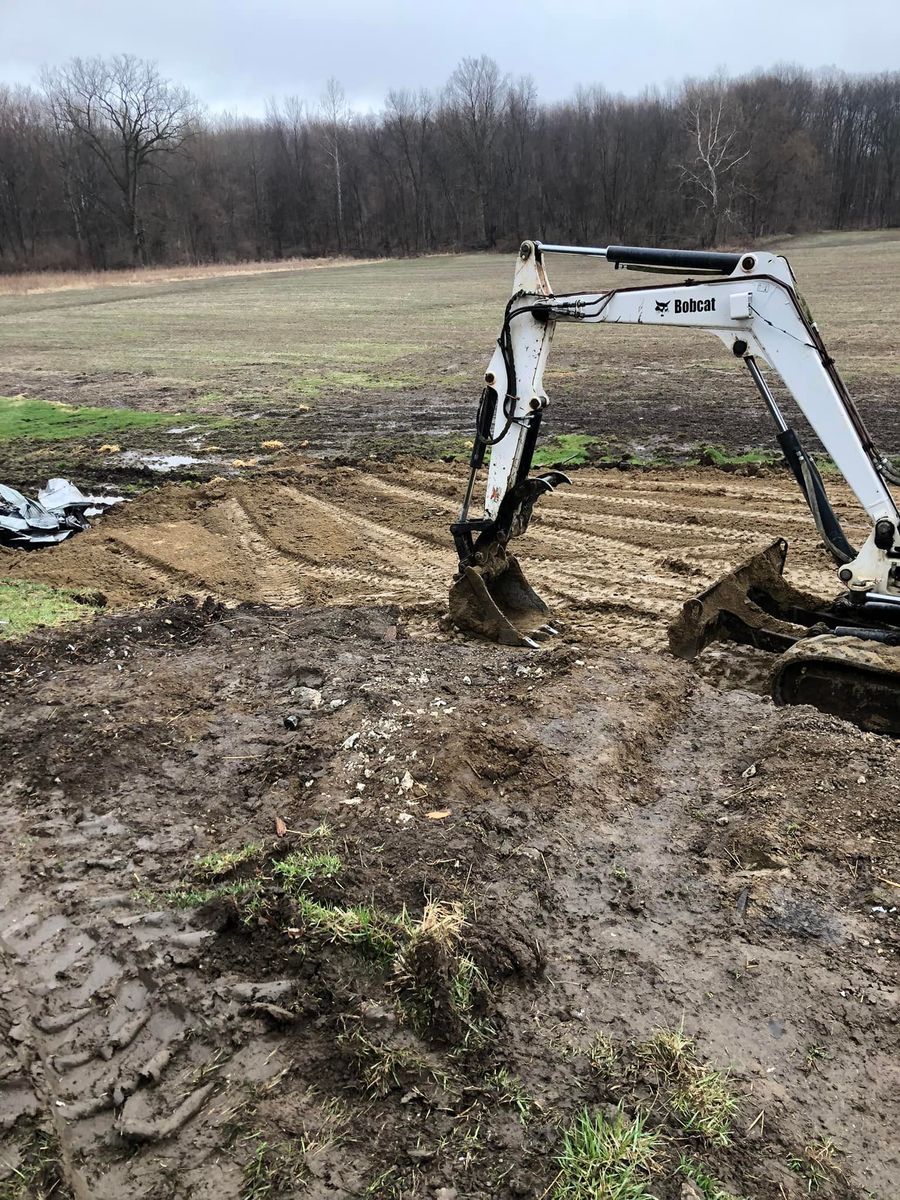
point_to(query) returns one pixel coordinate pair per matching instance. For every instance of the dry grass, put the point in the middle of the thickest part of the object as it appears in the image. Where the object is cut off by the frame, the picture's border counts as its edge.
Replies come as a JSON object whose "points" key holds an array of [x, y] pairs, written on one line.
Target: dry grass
{"points": [[34, 282]]}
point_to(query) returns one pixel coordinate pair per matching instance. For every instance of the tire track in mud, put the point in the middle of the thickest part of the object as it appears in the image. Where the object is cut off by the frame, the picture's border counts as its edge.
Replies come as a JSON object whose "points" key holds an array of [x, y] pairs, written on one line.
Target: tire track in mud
{"points": [[104, 1041], [309, 574]]}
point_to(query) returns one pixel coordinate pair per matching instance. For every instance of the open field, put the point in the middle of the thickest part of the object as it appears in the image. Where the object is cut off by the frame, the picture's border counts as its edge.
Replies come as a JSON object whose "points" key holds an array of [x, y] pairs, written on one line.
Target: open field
{"points": [[385, 352], [306, 895]]}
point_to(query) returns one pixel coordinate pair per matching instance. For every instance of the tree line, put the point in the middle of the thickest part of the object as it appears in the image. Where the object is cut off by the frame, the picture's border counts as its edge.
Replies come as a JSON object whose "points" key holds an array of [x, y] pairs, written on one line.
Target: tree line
{"points": [[110, 164]]}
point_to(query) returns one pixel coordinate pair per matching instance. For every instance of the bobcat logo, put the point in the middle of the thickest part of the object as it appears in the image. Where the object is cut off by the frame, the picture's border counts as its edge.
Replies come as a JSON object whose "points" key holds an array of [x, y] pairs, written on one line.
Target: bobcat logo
{"points": [[662, 306]]}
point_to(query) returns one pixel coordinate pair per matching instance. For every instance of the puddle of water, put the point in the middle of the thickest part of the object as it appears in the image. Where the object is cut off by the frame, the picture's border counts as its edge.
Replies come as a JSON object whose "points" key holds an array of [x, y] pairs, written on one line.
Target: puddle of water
{"points": [[162, 462]]}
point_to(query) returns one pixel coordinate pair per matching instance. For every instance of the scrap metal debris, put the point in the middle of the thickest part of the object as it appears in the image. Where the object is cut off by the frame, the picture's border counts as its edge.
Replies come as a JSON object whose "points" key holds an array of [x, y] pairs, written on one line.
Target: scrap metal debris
{"points": [[60, 510]]}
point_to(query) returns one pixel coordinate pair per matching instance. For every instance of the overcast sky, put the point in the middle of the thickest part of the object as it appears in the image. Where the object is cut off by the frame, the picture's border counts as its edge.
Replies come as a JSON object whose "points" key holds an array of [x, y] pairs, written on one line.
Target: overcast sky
{"points": [[236, 55]]}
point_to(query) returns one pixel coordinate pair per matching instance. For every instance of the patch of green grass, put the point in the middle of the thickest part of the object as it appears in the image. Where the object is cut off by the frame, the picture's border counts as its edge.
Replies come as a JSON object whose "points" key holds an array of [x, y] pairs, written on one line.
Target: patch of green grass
{"points": [[717, 456], [698, 1175], [273, 1168], [360, 925], [510, 1091], [301, 867], [668, 1051], [570, 449], [28, 417], [607, 1158], [223, 862], [467, 982], [188, 896], [698, 1095], [24, 606], [706, 1105]]}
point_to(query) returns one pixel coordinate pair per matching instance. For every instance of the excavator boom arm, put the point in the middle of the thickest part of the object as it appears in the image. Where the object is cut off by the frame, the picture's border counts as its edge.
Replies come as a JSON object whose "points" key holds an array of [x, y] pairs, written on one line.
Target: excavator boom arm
{"points": [[756, 312]]}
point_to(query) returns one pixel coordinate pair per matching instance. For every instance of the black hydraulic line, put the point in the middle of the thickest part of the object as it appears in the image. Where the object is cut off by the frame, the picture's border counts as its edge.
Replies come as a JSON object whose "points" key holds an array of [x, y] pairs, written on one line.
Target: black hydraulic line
{"points": [[688, 260], [888, 637], [804, 471], [807, 475]]}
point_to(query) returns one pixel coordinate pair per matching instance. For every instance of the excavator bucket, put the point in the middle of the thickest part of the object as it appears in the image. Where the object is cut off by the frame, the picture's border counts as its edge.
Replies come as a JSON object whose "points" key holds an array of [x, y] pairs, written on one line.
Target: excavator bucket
{"points": [[500, 606]]}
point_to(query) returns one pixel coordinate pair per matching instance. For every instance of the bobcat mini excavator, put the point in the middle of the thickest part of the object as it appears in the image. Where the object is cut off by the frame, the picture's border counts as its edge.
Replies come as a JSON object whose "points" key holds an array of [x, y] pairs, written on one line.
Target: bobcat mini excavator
{"points": [[843, 656]]}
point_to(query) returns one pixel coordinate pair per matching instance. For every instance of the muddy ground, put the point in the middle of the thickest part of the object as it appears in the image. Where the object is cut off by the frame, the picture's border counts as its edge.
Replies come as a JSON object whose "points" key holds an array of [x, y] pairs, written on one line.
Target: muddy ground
{"points": [[385, 357], [632, 851], [304, 895]]}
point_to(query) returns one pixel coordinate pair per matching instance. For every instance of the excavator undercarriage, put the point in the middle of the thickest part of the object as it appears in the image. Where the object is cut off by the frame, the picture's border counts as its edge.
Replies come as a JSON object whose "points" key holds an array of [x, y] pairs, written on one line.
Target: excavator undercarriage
{"points": [[843, 655], [839, 656]]}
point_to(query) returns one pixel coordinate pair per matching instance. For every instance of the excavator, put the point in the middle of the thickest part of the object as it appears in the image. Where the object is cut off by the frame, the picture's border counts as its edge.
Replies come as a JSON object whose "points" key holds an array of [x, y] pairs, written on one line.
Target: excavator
{"points": [[840, 655]]}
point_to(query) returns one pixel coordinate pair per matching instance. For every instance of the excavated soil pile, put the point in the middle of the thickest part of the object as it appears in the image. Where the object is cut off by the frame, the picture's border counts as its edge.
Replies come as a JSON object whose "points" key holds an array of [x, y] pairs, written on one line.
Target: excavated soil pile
{"points": [[615, 554], [298, 903]]}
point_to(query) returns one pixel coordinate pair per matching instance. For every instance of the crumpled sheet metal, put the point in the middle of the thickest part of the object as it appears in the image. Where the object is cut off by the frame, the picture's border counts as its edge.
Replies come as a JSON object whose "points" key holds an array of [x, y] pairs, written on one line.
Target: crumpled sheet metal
{"points": [[60, 510]]}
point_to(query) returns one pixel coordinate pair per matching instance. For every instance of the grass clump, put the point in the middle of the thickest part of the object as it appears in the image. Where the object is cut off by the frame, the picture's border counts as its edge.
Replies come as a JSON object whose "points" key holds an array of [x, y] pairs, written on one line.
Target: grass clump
{"points": [[566, 448], [273, 1168], [302, 867], [700, 1177], [26, 606], [360, 925], [442, 989], [38, 1173], [607, 1158], [602, 1054], [244, 891], [706, 1106], [510, 1092], [815, 1163], [223, 862], [384, 1068], [697, 1095]]}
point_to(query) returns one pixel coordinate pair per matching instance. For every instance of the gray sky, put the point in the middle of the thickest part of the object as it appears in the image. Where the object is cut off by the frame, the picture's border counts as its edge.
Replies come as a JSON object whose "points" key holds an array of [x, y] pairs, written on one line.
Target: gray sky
{"points": [[236, 55]]}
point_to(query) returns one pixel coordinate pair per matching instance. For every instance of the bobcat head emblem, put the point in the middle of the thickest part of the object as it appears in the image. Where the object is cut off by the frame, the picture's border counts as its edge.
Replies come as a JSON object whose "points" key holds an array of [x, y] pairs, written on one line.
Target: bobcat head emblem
{"points": [[662, 306]]}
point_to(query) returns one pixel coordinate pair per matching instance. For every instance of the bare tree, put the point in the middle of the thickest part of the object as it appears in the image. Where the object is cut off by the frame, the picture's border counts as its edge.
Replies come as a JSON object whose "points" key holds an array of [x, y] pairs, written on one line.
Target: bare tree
{"points": [[475, 98], [103, 175], [711, 170], [127, 115], [335, 114]]}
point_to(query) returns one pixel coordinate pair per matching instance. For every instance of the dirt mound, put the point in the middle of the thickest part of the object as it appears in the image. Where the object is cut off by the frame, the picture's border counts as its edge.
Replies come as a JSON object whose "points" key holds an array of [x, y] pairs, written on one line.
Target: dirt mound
{"points": [[615, 555], [296, 901]]}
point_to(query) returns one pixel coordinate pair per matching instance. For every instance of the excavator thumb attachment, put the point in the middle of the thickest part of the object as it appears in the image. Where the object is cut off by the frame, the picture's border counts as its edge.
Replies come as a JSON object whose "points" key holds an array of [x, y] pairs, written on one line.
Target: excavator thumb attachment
{"points": [[499, 604], [751, 604]]}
